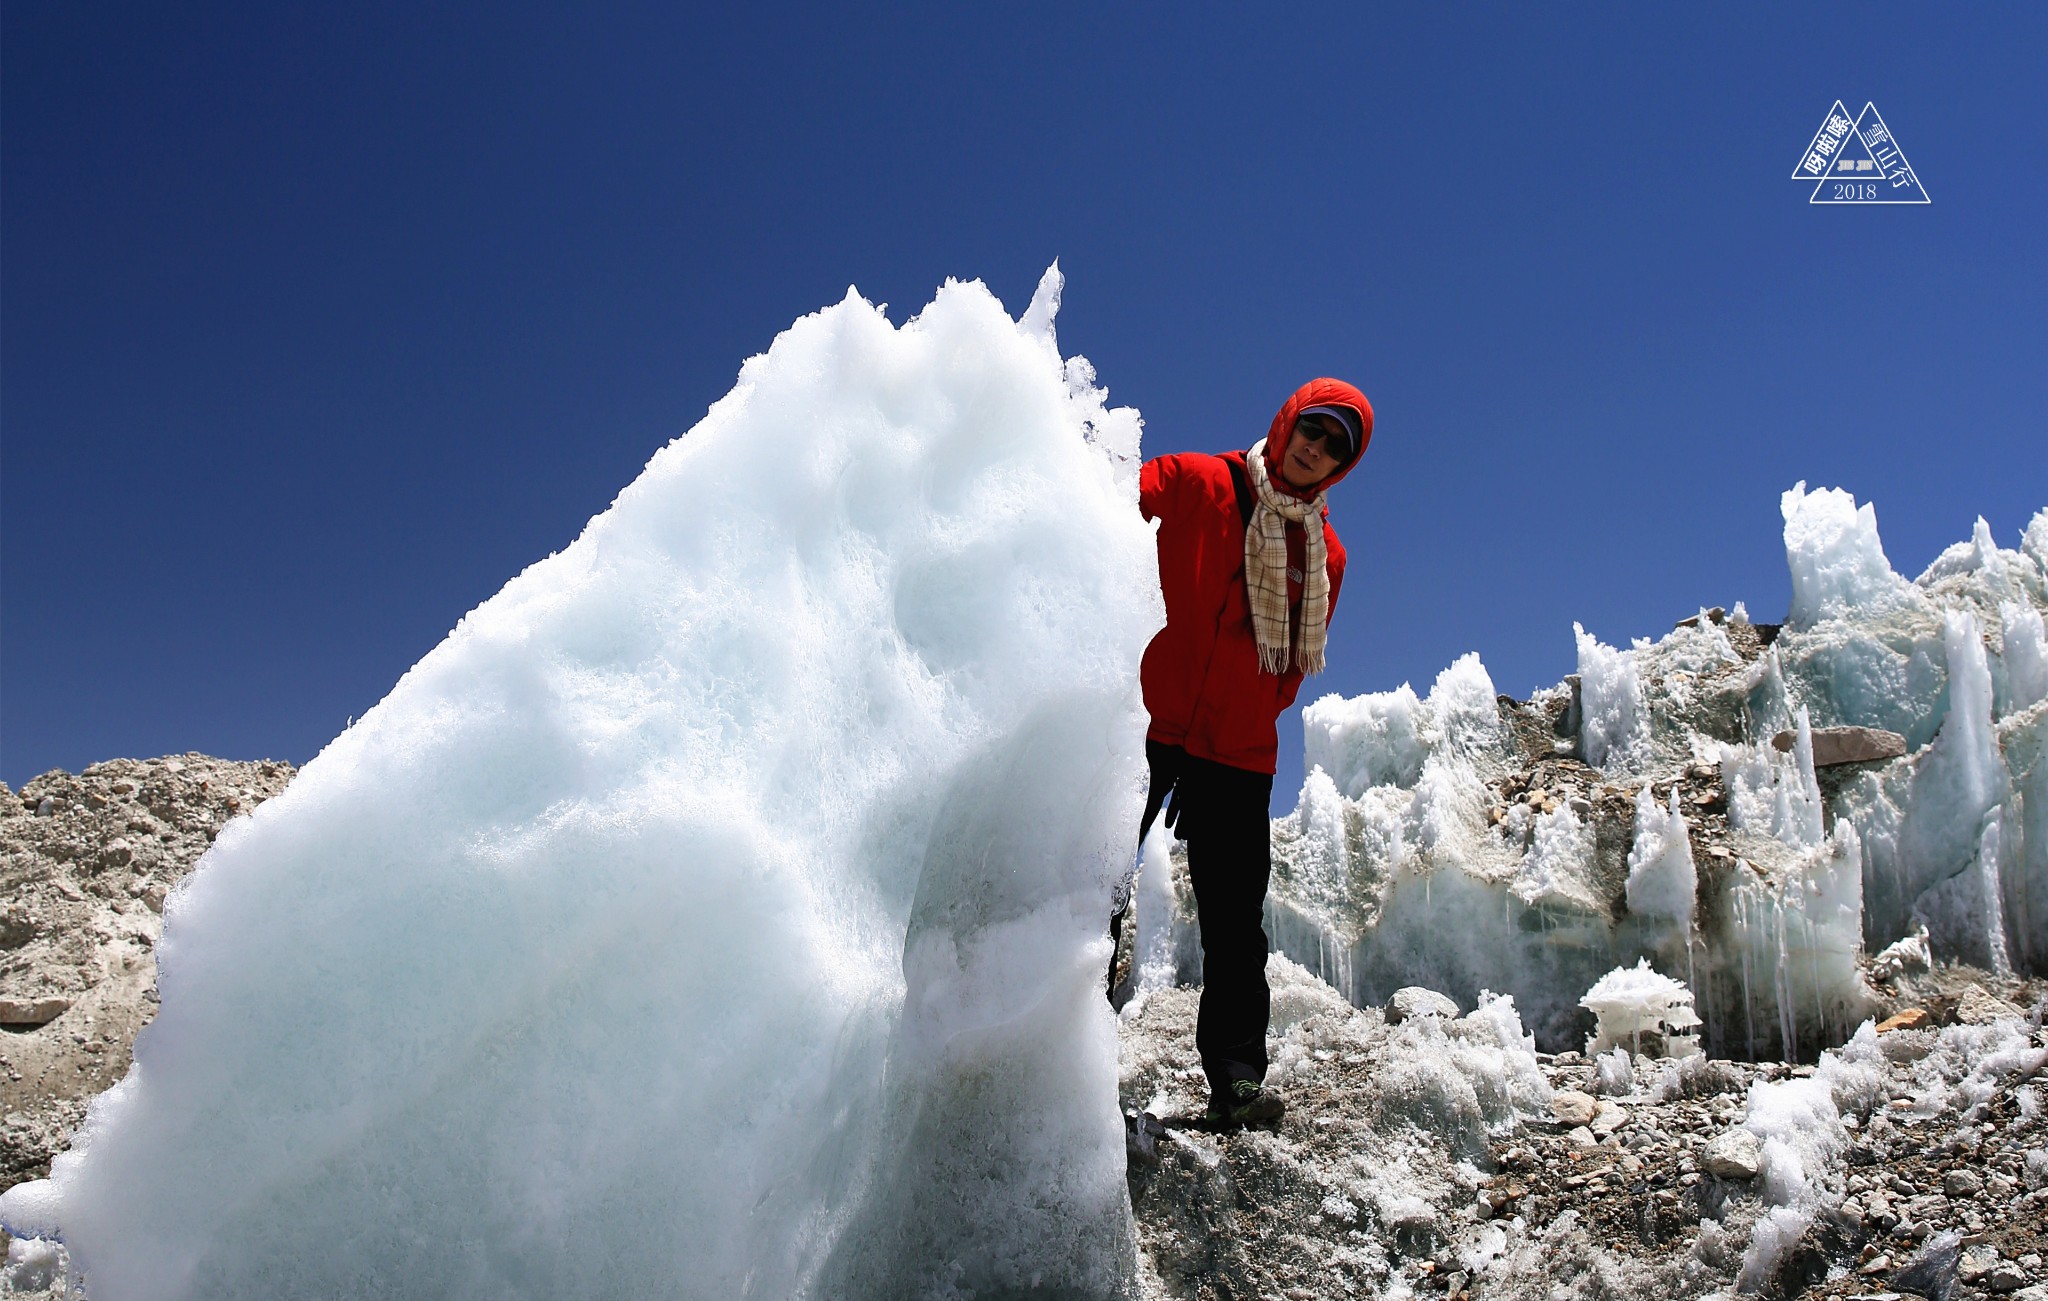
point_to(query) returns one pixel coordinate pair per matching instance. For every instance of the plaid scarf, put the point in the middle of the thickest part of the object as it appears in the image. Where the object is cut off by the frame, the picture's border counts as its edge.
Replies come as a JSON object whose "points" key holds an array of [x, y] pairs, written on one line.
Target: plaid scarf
{"points": [[1265, 571]]}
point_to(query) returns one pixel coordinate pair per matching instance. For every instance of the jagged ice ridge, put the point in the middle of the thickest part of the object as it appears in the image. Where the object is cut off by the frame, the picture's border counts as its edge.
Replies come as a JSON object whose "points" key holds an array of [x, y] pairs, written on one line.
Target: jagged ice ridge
{"points": [[1404, 863]]}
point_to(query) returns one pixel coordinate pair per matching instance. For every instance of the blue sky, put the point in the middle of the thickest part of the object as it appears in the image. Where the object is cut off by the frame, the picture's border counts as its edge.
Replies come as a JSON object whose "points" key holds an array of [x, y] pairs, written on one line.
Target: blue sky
{"points": [[318, 324]]}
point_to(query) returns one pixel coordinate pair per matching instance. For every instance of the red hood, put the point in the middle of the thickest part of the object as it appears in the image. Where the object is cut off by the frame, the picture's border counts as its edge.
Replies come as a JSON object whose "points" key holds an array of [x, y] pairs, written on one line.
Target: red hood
{"points": [[1317, 393]]}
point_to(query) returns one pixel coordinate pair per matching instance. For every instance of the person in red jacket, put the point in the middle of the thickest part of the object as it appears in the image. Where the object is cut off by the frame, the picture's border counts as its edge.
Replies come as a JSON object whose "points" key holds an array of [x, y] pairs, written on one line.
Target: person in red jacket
{"points": [[1250, 568]]}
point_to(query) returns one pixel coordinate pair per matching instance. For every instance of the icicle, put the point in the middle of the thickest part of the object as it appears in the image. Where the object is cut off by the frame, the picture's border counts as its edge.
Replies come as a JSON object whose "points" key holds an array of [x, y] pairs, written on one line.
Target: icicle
{"points": [[1788, 1017], [1991, 881], [1748, 946], [1691, 978], [1820, 1000]]}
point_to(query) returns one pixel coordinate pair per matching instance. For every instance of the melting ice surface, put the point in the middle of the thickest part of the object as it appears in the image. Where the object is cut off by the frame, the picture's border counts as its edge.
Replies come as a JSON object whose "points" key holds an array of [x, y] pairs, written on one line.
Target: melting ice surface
{"points": [[717, 911]]}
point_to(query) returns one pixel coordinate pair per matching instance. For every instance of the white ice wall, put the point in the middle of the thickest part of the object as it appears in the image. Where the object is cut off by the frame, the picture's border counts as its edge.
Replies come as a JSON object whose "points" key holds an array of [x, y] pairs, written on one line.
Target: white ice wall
{"points": [[2025, 741], [1382, 738], [2025, 653], [1662, 878], [1772, 792], [717, 911], [1615, 733], [1838, 563], [1959, 786]]}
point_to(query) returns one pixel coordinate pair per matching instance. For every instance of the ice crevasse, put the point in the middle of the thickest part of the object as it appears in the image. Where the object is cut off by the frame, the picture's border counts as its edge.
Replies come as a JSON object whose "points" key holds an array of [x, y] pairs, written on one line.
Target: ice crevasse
{"points": [[1472, 842], [717, 911]]}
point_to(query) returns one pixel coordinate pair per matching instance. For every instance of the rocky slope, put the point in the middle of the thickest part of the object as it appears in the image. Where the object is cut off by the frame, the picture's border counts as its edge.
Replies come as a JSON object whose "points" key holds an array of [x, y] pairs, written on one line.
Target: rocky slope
{"points": [[86, 861]]}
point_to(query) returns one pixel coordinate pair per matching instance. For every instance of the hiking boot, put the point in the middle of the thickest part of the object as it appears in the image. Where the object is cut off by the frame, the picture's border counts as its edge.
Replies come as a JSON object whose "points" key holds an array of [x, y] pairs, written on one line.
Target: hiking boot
{"points": [[1246, 1103]]}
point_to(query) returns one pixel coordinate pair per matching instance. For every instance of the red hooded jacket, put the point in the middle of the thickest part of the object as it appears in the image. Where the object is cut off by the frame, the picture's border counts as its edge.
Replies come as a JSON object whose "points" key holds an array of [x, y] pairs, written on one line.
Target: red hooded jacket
{"points": [[1201, 676]]}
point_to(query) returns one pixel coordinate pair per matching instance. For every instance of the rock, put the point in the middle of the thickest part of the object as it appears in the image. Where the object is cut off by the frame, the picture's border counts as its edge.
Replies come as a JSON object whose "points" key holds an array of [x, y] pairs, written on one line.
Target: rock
{"points": [[1414, 1000], [78, 928], [1733, 1154], [1913, 1018], [1572, 1107], [1976, 1263], [1839, 745], [1142, 1133], [2005, 1276], [1610, 1118], [1983, 1267], [1978, 1006], [1962, 1182], [1582, 1137], [1927, 1207], [1410, 1213], [32, 1011]]}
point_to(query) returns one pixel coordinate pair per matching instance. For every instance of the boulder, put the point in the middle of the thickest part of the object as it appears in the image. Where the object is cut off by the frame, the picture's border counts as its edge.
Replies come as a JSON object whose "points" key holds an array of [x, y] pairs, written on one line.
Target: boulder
{"points": [[31, 1011], [1414, 1000], [1838, 745], [1733, 1154], [1979, 1006], [1571, 1107], [1977, 1262], [2004, 1276]]}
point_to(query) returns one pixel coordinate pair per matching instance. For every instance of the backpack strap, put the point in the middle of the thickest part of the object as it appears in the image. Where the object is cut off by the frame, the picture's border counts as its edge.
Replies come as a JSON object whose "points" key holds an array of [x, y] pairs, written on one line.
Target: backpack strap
{"points": [[1241, 481]]}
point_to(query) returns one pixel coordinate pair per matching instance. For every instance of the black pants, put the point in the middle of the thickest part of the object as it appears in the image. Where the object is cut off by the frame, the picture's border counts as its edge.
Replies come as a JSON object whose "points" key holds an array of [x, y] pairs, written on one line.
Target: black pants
{"points": [[1222, 813]]}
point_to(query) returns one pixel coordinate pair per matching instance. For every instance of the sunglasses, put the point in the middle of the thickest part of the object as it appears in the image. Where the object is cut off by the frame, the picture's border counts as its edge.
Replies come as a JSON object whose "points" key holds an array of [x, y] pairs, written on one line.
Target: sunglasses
{"points": [[1315, 431]]}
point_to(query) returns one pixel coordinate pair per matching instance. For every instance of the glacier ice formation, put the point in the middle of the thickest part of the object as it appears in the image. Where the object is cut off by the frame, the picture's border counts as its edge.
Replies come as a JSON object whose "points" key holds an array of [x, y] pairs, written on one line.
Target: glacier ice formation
{"points": [[717, 911], [1663, 804]]}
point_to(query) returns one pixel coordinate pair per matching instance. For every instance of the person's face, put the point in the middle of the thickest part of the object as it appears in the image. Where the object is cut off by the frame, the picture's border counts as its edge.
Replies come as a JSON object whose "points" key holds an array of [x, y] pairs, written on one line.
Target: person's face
{"points": [[1307, 460]]}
